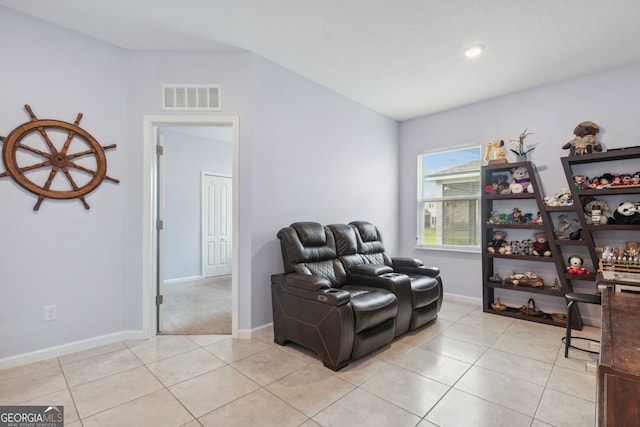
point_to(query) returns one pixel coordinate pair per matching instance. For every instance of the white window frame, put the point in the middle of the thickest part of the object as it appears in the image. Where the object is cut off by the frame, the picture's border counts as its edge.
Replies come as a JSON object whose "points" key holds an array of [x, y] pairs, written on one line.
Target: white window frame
{"points": [[421, 200]]}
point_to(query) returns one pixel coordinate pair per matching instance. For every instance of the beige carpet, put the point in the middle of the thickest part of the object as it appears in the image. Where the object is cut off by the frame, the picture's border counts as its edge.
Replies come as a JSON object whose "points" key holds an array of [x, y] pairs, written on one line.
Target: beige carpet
{"points": [[201, 307]]}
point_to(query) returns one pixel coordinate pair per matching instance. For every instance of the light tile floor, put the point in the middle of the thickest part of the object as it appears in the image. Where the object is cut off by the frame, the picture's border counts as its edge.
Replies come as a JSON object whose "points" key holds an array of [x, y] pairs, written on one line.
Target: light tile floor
{"points": [[468, 368]]}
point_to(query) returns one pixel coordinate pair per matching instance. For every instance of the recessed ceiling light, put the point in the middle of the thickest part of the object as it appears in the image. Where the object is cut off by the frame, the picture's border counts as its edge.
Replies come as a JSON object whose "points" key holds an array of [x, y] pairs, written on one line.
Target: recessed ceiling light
{"points": [[474, 51]]}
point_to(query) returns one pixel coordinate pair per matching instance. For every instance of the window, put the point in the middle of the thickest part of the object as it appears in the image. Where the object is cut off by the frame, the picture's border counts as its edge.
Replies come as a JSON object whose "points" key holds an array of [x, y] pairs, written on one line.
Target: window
{"points": [[449, 198]]}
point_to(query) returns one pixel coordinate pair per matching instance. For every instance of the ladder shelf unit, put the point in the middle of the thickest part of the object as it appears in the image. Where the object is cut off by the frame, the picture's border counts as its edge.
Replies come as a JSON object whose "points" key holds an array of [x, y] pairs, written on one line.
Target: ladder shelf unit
{"points": [[623, 160], [555, 265]]}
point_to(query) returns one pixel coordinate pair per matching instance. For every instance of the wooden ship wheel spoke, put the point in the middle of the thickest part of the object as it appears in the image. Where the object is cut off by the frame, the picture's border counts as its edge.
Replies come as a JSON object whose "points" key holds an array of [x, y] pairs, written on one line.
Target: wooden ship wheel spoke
{"points": [[81, 179]]}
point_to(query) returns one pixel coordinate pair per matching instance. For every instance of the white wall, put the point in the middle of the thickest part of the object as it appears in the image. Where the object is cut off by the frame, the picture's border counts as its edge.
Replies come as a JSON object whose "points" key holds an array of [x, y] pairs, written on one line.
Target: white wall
{"points": [[185, 158], [63, 254], [610, 99]]}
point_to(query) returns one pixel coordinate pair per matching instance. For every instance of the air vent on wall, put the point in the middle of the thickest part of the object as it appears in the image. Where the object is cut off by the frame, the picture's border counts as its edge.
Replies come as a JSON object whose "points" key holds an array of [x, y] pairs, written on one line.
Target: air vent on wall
{"points": [[191, 97]]}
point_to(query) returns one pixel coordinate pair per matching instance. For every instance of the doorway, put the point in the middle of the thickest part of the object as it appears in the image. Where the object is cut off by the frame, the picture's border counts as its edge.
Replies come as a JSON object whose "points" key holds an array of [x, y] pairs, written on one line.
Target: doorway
{"points": [[155, 273]]}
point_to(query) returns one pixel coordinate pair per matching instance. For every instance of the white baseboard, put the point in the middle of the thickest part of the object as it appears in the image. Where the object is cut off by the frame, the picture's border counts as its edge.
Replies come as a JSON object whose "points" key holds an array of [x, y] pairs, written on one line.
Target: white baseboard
{"points": [[462, 298], [245, 334], [181, 280], [61, 350]]}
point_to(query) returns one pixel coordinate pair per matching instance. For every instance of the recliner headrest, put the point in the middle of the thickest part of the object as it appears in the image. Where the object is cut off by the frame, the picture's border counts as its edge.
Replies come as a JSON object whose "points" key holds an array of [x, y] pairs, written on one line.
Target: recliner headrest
{"points": [[310, 233], [369, 237], [345, 236], [368, 231]]}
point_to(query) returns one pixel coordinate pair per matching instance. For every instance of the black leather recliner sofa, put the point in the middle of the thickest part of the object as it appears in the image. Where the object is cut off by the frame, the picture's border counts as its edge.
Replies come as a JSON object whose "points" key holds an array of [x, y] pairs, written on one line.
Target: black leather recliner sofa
{"points": [[342, 296]]}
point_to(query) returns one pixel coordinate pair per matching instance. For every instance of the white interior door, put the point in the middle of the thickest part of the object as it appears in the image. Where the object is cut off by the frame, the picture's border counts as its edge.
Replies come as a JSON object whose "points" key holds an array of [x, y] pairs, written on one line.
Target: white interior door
{"points": [[216, 225]]}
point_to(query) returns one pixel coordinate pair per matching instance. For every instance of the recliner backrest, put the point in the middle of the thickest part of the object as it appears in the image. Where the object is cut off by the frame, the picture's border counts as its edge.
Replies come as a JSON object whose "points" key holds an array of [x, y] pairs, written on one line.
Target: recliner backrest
{"points": [[346, 245], [310, 248], [370, 243]]}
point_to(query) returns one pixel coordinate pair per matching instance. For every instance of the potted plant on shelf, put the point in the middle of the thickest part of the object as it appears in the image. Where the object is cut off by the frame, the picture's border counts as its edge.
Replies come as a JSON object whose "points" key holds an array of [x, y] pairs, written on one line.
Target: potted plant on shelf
{"points": [[521, 153]]}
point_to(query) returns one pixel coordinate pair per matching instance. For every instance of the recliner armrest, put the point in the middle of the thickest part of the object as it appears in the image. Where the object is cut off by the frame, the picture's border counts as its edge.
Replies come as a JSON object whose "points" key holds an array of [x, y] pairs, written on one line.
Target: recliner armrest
{"points": [[414, 266], [306, 282], [371, 269], [406, 262], [312, 288], [333, 296], [390, 280]]}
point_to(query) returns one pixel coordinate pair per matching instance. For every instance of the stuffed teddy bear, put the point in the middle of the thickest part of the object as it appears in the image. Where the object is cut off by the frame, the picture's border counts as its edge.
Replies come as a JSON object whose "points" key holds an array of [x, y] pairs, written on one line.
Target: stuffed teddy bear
{"points": [[498, 244], [591, 204], [520, 180], [627, 213], [540, 245], [585, 141]]}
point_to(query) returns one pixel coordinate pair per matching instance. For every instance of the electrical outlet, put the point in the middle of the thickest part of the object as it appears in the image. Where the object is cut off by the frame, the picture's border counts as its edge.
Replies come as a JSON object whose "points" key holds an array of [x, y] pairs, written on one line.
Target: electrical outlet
{"points": [[49, 313]]}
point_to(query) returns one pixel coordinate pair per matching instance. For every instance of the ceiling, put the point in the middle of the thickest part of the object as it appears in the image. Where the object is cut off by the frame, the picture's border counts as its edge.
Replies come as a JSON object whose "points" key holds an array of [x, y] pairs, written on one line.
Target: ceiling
{"points": [[402, 58]]}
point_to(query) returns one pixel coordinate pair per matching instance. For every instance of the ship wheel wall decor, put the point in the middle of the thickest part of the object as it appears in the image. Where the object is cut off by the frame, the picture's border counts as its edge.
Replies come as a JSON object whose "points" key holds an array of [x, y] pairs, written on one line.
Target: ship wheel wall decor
{"points": [[54, 159]]}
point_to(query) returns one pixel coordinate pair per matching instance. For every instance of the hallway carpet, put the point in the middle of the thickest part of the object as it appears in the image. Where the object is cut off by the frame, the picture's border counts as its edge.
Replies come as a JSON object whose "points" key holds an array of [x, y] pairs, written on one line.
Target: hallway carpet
{"points": [[200, 307]]}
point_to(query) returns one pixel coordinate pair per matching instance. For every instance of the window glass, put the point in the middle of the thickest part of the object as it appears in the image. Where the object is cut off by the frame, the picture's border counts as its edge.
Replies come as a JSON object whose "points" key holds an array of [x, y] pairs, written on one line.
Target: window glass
{"points": [[449, 198]]}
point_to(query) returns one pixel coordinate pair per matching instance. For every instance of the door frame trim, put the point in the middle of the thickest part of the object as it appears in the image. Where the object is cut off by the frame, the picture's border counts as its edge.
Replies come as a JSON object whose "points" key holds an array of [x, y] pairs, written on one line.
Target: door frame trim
{"points": [[149, 240]]}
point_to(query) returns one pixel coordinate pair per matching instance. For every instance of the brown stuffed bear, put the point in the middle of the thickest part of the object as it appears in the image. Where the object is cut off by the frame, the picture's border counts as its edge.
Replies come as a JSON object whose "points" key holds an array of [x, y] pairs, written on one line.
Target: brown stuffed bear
{"points": [[498, 245], [585, 141], [540, 245]]}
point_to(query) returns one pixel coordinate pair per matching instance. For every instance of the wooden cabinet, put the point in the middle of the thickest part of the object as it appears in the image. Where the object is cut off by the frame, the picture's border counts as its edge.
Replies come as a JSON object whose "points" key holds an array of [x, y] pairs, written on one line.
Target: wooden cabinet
{"points": [[556, 281], [618, 389]]}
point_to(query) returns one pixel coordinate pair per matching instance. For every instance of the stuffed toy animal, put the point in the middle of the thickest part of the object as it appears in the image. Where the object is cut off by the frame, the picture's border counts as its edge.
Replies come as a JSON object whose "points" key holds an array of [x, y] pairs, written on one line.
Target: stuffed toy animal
{"points": [[581, 182], [527, 279], [585, 141], [627, 213], [591, 204], [495, 147], [601, 182], [516, 216], [563, 198], [499, 184], [575, 266], [540, 245], [568, 228], [520, 180], [498, 244]]}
